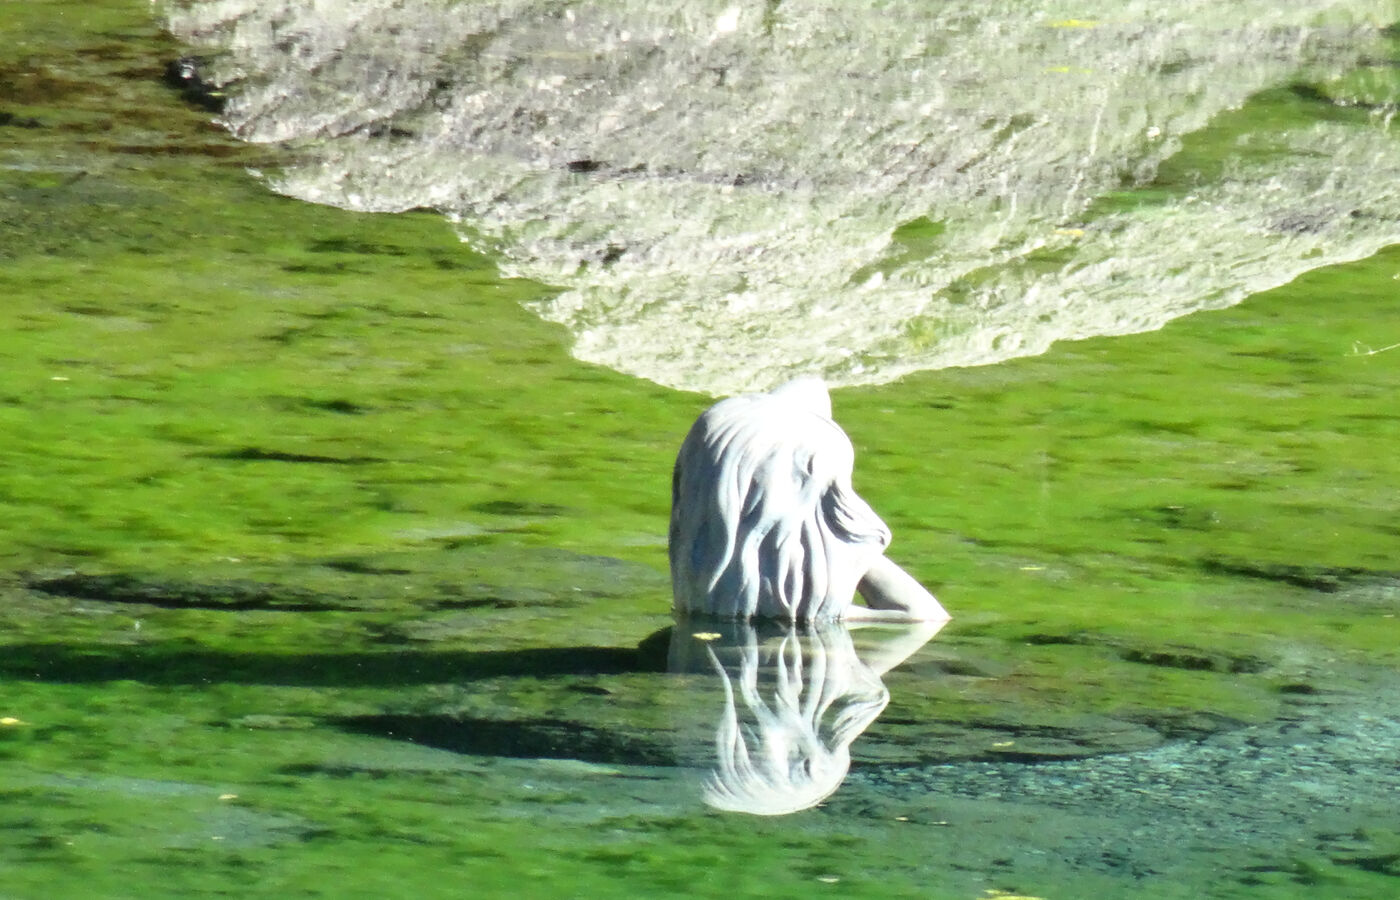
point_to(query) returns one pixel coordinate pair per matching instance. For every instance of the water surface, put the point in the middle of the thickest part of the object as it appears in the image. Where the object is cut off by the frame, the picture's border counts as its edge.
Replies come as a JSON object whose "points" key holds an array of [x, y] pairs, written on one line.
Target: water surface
{"points": [[329, 570]]}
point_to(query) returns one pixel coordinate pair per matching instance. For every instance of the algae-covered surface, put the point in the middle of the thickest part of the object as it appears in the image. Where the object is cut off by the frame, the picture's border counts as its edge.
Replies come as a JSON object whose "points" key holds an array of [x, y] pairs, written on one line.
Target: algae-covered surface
{"points": [[328, 572]]}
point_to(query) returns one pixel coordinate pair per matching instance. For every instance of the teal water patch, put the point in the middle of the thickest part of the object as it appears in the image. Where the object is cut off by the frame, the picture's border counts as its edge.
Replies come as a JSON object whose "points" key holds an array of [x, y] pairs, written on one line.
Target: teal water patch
{"points": [[1306, 800]]}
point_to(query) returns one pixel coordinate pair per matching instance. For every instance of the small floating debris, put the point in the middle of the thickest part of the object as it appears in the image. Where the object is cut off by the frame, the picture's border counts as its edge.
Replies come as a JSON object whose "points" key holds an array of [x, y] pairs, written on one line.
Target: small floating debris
{"points": [[707, 635]]}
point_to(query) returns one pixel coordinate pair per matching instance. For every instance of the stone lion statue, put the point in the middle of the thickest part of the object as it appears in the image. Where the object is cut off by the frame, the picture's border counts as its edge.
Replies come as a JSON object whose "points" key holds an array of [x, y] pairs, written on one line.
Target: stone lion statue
{"points": [[765, 523]]}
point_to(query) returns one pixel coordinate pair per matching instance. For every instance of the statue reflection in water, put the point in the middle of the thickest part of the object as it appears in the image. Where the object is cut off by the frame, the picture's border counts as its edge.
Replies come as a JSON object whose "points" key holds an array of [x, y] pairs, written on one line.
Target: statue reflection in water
{"points": [[769, 544], [792, 699]]}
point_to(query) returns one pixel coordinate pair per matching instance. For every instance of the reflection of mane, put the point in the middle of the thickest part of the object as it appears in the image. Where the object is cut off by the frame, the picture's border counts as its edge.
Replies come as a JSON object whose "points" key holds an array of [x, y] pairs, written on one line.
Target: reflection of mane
{"points": [[764, 521], [783, 743]]}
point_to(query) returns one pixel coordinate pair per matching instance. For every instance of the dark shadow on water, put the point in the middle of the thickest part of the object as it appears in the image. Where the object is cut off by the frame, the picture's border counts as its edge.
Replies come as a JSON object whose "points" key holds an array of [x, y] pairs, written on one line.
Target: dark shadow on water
{"points": [[521, 739], [231, 595], [176, 664], [1325, 579], [765, 717]]}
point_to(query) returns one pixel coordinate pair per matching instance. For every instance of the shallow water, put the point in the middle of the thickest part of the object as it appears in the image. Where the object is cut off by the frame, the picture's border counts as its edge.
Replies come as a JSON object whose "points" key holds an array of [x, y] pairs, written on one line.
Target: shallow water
{"points": [[329, 571], [730, 195]]}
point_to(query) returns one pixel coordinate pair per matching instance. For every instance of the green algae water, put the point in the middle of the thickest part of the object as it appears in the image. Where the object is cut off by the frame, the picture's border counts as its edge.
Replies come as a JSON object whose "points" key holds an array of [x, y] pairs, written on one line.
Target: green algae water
{"points": [[329, 569]]}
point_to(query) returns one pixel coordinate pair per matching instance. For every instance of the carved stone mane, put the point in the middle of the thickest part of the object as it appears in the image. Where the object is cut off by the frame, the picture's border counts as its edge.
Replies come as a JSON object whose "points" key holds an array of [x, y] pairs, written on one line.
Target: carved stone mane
{"points": [[765, 523]]}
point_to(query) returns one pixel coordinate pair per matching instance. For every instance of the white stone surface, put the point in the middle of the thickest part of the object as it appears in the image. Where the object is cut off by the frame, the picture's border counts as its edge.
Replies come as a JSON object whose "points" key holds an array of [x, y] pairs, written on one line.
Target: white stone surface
{"points": [[719, 187]]}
